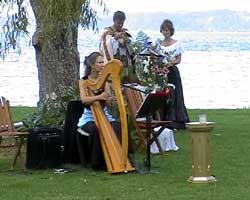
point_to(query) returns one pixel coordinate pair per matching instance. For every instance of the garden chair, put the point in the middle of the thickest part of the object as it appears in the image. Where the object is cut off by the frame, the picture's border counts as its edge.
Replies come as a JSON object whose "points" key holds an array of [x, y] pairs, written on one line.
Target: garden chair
{"points": [[134, 100], [8, 132]]}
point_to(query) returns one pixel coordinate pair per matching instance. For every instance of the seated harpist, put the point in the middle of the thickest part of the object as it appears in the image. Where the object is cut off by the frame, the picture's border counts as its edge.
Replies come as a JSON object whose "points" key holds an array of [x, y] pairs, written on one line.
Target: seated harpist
{"points": [[89, 122]]}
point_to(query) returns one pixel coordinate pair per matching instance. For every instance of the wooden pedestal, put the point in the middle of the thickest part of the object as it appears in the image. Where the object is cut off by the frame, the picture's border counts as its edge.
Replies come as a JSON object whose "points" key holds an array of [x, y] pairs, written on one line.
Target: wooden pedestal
{"points": [[201, 160]]}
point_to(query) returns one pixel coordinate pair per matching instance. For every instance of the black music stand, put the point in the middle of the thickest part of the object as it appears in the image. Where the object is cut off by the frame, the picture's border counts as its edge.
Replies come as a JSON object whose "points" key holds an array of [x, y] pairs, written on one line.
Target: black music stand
{"points": [[150, 105]]}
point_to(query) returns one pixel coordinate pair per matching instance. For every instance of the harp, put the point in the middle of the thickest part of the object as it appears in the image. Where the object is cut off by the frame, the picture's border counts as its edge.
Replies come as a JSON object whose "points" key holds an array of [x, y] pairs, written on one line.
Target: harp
{"points": [[115, 152]]}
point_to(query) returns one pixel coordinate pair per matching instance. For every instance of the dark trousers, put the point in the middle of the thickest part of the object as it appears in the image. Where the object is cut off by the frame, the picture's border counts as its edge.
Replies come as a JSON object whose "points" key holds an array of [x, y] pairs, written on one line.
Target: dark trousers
{"points": [[96, 157]]}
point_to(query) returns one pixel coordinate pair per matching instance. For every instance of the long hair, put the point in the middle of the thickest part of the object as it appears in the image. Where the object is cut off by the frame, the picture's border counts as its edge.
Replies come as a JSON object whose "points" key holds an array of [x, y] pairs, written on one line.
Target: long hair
{"points": [[89, 61]]}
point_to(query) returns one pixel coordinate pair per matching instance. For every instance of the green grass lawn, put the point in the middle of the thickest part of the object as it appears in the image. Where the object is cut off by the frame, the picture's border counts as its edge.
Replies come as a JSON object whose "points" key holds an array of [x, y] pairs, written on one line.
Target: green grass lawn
{"points": [[230, 162]]}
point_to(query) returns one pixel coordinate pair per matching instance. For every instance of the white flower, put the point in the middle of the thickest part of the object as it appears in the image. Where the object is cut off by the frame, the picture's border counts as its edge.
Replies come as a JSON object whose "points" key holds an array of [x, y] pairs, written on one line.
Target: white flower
{"points": [[145, 69], [53, 96], [145, 62]]}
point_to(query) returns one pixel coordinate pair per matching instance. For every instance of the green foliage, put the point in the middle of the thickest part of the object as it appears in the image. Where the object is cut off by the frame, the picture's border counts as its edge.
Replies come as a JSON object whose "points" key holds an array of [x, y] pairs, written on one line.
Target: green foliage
{"points": [[14, 27], [52, 111], [18, 113], [141, 41], [67, 15], [88, 16]]}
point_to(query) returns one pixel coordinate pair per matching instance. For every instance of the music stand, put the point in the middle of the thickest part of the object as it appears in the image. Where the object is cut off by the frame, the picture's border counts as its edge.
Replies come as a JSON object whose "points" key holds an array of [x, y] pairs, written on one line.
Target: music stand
{"points": [[150, 105]]}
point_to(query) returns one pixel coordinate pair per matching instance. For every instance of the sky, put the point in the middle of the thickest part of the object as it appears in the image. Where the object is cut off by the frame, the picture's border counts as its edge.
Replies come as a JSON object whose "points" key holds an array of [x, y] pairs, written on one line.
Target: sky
{"points": [[129, 6]]}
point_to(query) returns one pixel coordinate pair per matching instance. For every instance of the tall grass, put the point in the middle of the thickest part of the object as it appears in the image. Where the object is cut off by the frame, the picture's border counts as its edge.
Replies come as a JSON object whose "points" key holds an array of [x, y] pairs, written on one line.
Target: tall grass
{"points": [[230, 161]]}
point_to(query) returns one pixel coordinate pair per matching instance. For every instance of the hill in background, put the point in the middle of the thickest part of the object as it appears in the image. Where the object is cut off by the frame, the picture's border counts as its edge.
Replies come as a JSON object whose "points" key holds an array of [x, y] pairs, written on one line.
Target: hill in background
{"points": [[216, 20]]}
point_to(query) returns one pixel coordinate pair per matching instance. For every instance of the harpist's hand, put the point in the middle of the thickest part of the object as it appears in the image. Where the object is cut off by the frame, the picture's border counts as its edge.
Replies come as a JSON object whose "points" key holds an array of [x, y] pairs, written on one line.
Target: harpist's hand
{"points": [[104, 96]]}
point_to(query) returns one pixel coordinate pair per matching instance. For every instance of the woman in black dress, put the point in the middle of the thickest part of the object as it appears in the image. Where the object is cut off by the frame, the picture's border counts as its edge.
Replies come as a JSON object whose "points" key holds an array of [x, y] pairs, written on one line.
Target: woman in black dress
{"points": [[172, 50]]}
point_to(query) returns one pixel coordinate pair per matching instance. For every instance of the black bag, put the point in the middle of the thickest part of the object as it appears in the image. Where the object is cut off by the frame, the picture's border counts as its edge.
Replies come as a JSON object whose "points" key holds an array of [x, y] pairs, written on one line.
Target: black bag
{"points": [[44, 148]]}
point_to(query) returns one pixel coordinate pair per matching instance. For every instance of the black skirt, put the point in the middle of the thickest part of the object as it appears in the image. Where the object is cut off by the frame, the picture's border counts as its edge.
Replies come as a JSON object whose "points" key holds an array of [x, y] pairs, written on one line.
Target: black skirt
{"points": [[178, 112]]}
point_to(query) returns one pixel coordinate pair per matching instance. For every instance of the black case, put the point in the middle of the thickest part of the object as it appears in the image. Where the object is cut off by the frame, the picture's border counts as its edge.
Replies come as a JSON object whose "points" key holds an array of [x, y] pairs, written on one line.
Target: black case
{"points": [[44, 148]]}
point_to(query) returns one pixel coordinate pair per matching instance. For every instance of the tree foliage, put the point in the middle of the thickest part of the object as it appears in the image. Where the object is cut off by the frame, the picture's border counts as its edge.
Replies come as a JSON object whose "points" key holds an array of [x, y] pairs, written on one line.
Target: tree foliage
{"points": [[67, 15], [15, 25], [64, 13]]}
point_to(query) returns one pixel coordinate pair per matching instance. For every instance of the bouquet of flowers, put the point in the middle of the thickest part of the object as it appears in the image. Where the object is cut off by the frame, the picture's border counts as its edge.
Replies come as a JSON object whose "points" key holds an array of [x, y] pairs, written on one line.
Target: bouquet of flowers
{"points": [[150, 65], [151, 72]]}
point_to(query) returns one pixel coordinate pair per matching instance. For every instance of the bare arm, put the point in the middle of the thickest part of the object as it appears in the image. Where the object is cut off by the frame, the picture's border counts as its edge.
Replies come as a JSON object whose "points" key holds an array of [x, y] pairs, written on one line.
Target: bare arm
{"points": [[90, 99], [176, 61]]}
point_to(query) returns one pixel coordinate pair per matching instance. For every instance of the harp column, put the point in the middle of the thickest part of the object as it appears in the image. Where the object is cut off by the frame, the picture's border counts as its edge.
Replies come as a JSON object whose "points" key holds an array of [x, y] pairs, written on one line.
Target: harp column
{"points": [[201, 159]]}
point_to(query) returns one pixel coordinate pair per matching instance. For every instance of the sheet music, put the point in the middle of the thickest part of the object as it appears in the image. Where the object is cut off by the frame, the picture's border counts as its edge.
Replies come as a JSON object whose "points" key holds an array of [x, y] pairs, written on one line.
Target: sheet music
{"points": [[136, 86]]}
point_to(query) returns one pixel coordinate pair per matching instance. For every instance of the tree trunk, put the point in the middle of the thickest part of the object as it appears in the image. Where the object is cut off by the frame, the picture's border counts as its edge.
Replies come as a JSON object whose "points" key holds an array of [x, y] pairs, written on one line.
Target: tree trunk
{"points": [[57, 56]]}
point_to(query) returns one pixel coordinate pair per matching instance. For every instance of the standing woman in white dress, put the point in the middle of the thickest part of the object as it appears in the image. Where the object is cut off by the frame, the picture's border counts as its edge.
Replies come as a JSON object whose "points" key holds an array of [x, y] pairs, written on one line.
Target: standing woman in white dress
{"points": [[172, 50]]}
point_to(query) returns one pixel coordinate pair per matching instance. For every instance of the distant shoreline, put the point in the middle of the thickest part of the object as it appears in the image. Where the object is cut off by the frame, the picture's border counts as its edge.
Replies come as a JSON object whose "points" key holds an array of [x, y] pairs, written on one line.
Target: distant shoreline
{"points": [[214, 69]]}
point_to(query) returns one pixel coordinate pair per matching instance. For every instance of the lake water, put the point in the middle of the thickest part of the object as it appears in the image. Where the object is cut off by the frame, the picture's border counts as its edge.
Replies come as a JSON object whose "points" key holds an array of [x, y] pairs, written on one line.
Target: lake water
{"points": [[215, 69]]}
